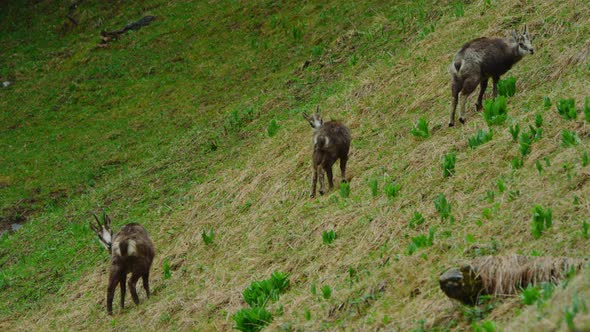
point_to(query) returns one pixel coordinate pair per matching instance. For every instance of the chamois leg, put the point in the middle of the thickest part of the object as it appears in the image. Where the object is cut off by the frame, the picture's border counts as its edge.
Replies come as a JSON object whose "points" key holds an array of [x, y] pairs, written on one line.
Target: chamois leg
{"points": [[330, 177], [114, 278], [321, 176], [314, 181], [495, 86], [122, 284], [457, 85], [469, 86], [482, 89], [146, 283], [343, 161], [132, 289]]}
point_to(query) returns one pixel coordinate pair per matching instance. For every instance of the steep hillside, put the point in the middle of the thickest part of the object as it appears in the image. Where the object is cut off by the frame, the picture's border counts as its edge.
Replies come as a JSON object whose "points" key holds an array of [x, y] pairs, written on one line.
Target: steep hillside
{"points": [[169, 126]]}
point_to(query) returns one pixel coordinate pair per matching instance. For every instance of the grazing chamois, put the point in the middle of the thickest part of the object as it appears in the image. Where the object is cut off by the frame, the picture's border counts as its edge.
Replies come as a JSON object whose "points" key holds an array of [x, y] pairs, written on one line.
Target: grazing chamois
{"points": [[132, 251], [331, 141], [480, 59]]}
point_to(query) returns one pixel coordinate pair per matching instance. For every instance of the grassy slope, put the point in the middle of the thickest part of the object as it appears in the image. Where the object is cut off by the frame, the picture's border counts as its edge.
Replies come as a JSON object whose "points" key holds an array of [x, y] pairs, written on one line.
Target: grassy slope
{"points": [[159, 97]]}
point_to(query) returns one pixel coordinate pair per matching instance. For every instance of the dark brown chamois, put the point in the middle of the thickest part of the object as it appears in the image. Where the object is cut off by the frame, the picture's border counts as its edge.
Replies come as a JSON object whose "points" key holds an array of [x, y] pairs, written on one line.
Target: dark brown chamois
{"points": [[331, 141], [480, 59], [132, 251]]}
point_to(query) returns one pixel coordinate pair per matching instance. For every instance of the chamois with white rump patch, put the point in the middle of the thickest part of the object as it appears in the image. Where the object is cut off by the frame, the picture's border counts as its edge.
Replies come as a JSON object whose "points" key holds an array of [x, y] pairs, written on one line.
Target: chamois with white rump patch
{"points": [[331, 141], [132, 251], [480, 59]]}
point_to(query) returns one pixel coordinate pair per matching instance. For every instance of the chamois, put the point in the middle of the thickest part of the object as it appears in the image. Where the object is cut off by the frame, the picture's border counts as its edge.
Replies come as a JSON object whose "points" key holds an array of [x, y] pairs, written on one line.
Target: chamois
{"points": [[331, 141], [132, 251], [480, 59]]}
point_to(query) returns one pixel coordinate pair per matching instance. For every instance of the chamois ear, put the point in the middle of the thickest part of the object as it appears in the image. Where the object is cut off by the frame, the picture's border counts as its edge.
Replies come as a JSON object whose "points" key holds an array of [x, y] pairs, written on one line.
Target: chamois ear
{"points": [[317, 110], [106, 219], [95, 227], [526, 30], [514, 35]]}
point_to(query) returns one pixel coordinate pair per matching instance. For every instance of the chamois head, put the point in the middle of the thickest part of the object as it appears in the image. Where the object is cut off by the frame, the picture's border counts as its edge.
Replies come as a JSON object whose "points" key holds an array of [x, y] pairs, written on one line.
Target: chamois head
{"points": [[315, 121], [103, 231], [524, 41]]}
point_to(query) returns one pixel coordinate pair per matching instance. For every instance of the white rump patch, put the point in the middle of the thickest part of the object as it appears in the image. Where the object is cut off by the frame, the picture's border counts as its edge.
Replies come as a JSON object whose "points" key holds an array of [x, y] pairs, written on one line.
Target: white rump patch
{"points": [[131, 248]]}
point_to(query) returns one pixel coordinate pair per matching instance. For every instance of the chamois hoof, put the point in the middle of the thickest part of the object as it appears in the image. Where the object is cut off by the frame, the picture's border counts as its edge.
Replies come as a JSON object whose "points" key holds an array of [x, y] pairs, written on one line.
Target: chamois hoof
{"points": [[478, 107], [462, 120], [451, 124], [322, 192], [344, 181], [312, 195]]}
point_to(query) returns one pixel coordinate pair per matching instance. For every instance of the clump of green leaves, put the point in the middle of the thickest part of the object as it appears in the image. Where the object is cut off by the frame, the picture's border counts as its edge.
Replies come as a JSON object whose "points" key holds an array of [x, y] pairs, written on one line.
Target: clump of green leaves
{"points": [[587, 109], [538, 120], [525, 142], [495, 111], [391, 189], [480, 138], [443, 207], [236, 120], [535, 133], [569, 138], [542, 219], [514, 130], [546, 103], [585, 229], [501, 185], [374, 186], [516, 163], [585, 159], [459, 8], [417, 220], [567, 109], [326, 292], [507, 87], [537, 294], [344, 189], [167, 270], [328, 236], [539, 166], [449, 164], [485, 326], [208, 236], [420, 128], [258, 293], [571, 312], [421, 241], [252, 319], [272, 128]]}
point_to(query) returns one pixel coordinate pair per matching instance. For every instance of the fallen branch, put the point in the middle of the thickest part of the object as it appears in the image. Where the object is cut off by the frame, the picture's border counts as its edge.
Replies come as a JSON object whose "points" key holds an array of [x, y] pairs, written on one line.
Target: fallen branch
{"points": [[107, 36]]}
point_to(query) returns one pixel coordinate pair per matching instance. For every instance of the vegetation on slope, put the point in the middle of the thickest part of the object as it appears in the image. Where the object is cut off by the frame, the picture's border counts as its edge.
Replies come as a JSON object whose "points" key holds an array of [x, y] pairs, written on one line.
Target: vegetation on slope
{"points": [[169, 126]]}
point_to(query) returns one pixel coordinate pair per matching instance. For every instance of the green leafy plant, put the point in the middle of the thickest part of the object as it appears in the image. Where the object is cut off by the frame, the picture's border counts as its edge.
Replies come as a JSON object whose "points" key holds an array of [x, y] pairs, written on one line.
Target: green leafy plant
{"points": [[374, 185], [344, 189], [585, 229], [538, 120], [546, 103], [585, 159], [258, 293], [459, 8], [421, 241], [535, 133], [326, 292], [391, 189], [252, 319], [516, 163], [443, 207], [167, 272], [539, 166], [542, 219], [587, 109], [208, 237], [328, 236], [272, 128], [571, 312], [495, 111], [480, 138], [507, 87], [449, 164], [567, 109], [236, 120], [417, 220], [421, 128], [485, 326], [569, 138], [501, 185], [525, 142], [514, 130], [530, 295]]}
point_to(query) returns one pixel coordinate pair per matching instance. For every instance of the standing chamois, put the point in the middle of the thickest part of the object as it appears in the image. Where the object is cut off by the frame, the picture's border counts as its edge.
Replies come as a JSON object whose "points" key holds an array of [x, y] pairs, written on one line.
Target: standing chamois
{"points": [[480, 59], [331, 141], [131, 251]]}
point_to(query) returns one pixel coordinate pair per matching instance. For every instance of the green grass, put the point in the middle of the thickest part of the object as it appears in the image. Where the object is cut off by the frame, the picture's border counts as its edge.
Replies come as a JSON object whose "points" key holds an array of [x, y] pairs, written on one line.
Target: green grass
{"points": [[507, 86], [448, 165], [480, 137], [495, 111], [567, 108], [420, 128]]}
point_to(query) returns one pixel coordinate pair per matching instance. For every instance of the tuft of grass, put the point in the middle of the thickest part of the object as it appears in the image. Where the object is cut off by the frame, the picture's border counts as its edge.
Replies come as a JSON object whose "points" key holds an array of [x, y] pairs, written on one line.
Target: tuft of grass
{"points": [[480, 138], [167, 273], [459, 8], [272, 128], [516, 163], [538, 120], [391, 189], [585, 229], [567, 109], [420, 129], [344, 189], [586, 109], [326, 292], [495, 111], [525, 142], [514, 131], [569, 138], [374, 186], [208, 237], [328, 236], [443, 207], [448, 165], [252, 319], [507, 87], [539, 166], [585, 159], [546, 103], [417, 220], [258, 293], [542, 220], [421, 241]]}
